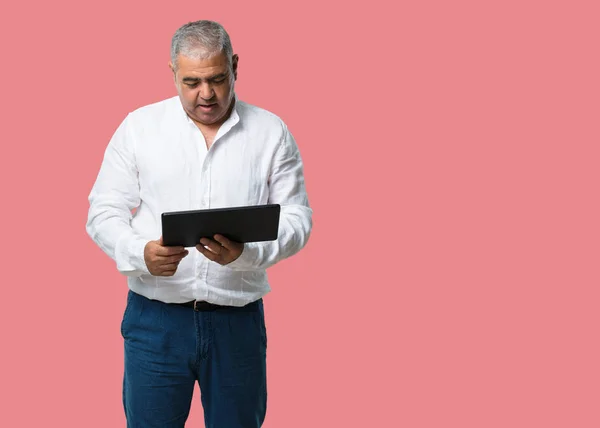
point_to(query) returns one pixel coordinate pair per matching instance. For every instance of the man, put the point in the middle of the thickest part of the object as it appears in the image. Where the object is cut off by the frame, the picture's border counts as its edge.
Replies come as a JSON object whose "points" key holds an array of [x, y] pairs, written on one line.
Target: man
{"points": [[196, 315]]}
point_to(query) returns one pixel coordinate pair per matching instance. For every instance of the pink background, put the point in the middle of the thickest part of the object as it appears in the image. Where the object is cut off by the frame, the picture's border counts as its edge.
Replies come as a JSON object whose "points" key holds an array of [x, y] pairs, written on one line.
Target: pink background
{"points": [[451, 153]]}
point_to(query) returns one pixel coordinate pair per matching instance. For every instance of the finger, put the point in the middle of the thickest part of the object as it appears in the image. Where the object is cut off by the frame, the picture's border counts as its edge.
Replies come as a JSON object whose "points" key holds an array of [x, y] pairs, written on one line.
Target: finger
{"points": [[170, 259], [169, 251], [162, 261], [207, 253], [225, 242], [168, 273], [215, 247], [169, 267]]}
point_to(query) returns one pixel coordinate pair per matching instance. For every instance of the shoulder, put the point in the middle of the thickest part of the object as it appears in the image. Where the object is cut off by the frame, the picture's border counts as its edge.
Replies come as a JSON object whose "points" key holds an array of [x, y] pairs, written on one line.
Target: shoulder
{"points": [[155, 112], [271, 129], [260, 117]]}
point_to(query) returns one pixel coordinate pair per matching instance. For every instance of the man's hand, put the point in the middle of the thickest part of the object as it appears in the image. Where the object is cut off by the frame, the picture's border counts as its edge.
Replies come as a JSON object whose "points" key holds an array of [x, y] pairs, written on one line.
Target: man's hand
{"points": [[161, 260], [221, 250]]}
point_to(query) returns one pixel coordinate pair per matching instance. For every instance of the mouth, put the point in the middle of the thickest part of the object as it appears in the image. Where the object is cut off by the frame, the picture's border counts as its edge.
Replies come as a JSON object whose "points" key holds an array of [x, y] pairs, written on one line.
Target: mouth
{"points": [[207, 107]]}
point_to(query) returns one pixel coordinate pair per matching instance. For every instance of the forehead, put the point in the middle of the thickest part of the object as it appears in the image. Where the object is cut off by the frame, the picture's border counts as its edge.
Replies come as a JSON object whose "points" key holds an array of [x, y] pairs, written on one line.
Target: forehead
{"points": [[216, 64]]}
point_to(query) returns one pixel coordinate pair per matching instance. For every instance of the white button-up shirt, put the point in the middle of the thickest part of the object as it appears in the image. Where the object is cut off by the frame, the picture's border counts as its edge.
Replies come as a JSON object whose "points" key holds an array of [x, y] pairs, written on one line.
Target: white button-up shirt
{"points": [[157, 161]]}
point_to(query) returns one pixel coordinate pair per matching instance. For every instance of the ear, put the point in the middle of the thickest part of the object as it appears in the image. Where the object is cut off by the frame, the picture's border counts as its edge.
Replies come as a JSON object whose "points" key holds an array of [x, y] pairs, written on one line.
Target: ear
{"points": [[172, 67], [234, 65]]}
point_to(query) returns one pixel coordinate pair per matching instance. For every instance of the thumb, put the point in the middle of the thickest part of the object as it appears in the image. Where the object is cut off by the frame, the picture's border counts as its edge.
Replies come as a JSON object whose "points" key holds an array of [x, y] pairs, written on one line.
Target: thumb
{"points": [[160, 240]]}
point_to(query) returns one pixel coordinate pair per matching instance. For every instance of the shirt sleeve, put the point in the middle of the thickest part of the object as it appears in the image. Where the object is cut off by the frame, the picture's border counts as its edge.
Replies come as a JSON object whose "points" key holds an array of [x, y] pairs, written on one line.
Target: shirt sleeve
{"points": [[286, 188], [114, 195]]}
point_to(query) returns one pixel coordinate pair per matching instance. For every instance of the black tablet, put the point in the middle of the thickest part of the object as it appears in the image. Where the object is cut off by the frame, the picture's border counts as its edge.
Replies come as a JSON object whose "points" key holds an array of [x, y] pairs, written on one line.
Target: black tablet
{"points": [[241, 224]]}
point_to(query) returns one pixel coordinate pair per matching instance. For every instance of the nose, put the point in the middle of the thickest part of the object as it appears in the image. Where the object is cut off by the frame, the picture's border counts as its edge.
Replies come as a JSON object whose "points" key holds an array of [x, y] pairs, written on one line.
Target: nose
{"points": [[206, 91]]}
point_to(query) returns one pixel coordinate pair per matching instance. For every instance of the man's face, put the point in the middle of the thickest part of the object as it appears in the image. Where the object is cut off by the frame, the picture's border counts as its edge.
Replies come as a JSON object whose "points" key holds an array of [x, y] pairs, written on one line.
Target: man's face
{"points": [[205, 87]]}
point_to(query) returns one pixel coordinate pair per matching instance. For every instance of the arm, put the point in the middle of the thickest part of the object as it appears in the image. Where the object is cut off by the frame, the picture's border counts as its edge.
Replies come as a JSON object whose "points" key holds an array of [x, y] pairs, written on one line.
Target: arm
{"points": [[286, 187], [113, 196]]}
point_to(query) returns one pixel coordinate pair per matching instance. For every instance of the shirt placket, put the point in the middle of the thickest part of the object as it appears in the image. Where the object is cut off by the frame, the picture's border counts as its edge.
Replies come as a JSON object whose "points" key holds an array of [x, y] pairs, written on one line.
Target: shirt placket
{"points": [[202, 201], [205, 202]]}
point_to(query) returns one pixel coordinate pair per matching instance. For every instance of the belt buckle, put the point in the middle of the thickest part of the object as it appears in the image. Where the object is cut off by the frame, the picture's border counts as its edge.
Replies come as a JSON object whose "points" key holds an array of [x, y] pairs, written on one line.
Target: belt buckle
{"points": [[202, 305]]}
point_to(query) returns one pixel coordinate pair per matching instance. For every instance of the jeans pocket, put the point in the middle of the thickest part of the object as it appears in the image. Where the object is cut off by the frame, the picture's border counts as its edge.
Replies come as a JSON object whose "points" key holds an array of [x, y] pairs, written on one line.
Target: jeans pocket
{"points": [[263, 327], [126, 312]]}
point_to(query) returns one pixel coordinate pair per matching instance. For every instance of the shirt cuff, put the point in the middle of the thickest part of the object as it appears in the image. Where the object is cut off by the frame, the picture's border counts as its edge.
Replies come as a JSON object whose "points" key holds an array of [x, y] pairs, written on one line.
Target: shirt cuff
{"points": [[129, 255], [246, 260]]}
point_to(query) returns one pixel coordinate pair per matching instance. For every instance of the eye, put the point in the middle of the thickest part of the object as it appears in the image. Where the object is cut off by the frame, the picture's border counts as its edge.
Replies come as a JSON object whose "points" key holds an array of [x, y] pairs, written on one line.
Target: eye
{"points": [[191, 85]]}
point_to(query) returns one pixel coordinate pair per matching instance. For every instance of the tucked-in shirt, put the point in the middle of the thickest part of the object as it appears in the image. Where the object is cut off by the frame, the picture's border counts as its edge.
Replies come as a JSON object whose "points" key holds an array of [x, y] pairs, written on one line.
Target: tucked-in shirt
{"points": [[157, 161]]}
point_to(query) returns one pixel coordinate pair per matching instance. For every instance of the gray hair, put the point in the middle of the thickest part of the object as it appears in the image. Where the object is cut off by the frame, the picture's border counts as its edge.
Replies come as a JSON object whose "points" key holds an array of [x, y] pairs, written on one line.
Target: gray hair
{"points": [[200, 40]]}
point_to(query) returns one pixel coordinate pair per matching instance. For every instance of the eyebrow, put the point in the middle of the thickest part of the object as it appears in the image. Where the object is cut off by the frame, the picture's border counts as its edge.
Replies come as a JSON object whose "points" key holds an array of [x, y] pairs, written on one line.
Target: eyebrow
{"points": [[197, 79]]}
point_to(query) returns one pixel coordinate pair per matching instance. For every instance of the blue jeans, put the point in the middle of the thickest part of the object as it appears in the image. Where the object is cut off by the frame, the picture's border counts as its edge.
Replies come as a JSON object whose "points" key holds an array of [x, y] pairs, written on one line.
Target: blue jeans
{"points": [[169, 347]]}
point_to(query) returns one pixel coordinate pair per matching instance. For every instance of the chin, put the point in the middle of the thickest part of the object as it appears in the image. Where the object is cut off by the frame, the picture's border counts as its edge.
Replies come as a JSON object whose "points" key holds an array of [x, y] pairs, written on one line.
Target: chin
{"points": [[208, 120]]}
